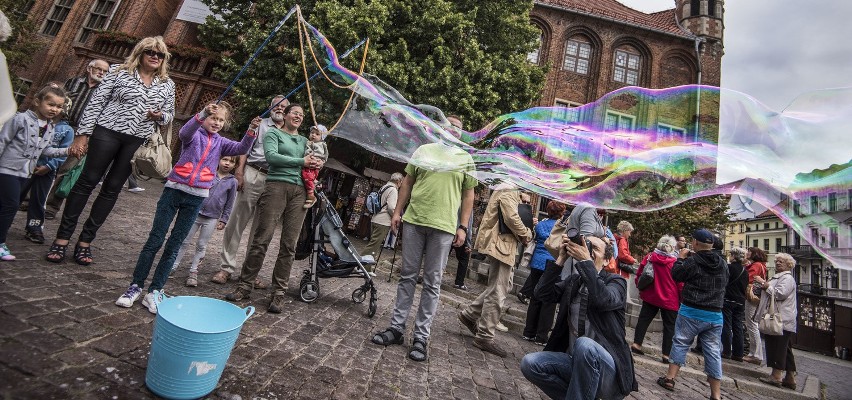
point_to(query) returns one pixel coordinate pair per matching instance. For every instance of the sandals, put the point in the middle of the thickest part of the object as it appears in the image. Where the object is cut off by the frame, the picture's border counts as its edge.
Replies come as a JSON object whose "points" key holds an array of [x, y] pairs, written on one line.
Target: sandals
{"points": [[81, 254], [638, 351], [388, 337], [666, 383], [770, 381], [417, 351], [56, 254]]}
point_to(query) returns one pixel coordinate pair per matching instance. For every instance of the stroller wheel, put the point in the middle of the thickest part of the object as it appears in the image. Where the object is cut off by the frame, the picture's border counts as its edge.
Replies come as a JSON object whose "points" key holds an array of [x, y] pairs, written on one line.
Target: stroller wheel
{"points": [[371, 310], [358, 295], [309, 291]]}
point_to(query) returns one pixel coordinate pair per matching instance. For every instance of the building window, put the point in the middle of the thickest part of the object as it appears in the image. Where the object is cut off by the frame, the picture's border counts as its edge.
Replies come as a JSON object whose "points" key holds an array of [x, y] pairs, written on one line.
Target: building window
{"points": [[668, 132], [626, 67], [815, 235], [849, 199], [832, 237], [568, 110], [797, 208], [742, 228], [814, 204], [98, 18], [711, 8], [766, 244], [832, 202], [766, 225], [754, 243], [533, 56], [618, 122], [57, 16], [741, 243], [694, 8], [21, 90], [778, 245], [577, 56]]}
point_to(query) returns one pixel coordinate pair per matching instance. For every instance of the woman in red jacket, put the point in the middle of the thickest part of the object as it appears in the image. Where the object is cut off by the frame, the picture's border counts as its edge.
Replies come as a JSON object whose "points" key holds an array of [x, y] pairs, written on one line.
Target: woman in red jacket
{"points": [[622, 233], [663, 295]]}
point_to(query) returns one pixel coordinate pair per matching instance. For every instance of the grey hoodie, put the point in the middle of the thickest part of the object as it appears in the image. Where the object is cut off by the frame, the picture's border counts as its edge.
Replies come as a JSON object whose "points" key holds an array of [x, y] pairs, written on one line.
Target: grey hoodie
{"points": [[21, 146]]}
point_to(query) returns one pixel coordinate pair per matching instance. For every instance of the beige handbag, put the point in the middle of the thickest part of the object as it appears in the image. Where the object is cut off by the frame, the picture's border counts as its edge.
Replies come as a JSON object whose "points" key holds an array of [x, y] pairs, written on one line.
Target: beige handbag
{"points": [[153, 159], [771, 323]]}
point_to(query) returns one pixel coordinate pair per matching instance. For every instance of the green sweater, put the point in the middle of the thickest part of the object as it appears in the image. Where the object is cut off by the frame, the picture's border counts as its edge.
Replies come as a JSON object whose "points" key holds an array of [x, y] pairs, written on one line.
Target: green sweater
{"points": [[285, 154]]}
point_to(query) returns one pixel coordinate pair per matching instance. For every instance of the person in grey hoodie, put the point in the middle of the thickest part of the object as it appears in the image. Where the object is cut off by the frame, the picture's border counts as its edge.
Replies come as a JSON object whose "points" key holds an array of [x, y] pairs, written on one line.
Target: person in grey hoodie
{"points": [[214, 214]]}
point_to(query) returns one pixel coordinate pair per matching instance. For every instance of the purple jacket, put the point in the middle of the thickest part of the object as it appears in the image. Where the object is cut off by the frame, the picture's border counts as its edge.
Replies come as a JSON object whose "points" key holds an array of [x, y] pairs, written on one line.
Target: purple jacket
{"points": [[200, 154], [221, 200]]}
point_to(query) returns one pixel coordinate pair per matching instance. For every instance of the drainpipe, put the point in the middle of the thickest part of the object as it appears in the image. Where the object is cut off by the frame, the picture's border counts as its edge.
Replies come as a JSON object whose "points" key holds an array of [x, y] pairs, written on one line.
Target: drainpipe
{"points": [[698, 42]]}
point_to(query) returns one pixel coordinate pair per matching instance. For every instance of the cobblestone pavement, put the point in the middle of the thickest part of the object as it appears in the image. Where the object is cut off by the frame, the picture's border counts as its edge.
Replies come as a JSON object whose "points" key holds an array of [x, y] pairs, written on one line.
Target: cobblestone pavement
{"points": [[834, 373], [62, 336]]}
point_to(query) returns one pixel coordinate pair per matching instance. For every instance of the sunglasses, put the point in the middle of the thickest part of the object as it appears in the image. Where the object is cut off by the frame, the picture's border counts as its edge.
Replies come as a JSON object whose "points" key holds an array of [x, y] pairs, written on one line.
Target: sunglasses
{"points": [[152, 53]]}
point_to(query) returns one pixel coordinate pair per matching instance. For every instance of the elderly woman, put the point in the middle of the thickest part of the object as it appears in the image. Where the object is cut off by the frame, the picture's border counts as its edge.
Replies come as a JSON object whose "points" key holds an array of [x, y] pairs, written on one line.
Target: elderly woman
{"points": [[282, 202], [125, 109], [625, 261], [779, 350], [733, 312], [540, 314], [662, 296]]}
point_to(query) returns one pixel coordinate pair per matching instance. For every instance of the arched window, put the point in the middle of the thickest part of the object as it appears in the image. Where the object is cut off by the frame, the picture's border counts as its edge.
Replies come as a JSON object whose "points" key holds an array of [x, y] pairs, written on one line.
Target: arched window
{"points": [[578, 52], [628, 64], [534, 56]]}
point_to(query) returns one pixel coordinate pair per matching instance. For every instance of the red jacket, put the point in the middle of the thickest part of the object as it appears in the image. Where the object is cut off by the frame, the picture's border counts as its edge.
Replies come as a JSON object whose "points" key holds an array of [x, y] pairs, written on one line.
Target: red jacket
{"points": [[754, 269], [664, 292]]}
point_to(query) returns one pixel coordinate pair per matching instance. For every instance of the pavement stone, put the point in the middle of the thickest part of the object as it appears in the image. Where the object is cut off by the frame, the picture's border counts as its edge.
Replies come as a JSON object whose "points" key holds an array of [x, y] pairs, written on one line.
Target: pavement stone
{"points": [[62, 337]]}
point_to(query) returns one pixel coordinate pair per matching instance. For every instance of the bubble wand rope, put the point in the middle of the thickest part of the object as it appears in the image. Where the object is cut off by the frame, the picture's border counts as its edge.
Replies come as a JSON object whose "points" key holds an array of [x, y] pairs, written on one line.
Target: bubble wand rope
{"points": [[256, 52], [314, 76]]}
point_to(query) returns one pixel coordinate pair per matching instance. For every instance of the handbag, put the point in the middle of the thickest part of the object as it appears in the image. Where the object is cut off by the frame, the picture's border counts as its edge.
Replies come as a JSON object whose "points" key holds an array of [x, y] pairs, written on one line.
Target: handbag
{"points": [[771, 323], [647, 277], [524, 212], [153, 159], [70, 179]]}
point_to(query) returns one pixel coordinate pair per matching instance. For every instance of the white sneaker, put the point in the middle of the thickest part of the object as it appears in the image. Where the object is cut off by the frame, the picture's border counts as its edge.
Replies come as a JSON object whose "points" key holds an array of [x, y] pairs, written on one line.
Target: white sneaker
{"points": [[129, 297], [136, 189], [149, 300], [502, 328], [371, 273]]}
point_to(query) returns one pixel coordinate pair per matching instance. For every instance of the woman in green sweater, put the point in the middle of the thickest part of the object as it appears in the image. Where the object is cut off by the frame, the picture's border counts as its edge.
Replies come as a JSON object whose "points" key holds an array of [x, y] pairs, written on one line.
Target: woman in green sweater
{"points": [[282, 199]]}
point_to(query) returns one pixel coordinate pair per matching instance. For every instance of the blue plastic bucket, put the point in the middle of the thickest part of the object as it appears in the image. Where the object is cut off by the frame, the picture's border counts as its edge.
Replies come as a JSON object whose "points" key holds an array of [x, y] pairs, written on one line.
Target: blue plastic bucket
{"points": [[192, 340]]}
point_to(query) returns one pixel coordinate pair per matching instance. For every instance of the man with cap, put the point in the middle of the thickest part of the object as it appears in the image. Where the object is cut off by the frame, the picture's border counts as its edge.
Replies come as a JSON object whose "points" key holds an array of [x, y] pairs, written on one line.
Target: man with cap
{"points": [[705, 276]]}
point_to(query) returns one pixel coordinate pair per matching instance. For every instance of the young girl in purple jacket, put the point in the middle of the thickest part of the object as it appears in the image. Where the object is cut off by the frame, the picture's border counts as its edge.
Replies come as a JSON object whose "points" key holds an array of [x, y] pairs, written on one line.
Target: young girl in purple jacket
{"points": [[214, 214], [186, 187]]}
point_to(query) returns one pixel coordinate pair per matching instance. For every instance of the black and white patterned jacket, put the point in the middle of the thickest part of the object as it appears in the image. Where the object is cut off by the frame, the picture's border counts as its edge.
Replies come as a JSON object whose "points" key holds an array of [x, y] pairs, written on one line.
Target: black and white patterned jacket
{"points": [[121, 103]]}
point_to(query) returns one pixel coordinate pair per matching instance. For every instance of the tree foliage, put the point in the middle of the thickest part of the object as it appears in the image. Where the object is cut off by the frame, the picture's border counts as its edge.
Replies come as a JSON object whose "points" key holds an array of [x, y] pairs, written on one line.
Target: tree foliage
{"points": [[466, 57], [704, 212], [23, 43]]}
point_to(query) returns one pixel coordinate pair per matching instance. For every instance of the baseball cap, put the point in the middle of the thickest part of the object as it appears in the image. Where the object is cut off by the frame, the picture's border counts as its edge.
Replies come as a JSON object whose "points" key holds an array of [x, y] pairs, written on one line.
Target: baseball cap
{"points": [[703, 236]]}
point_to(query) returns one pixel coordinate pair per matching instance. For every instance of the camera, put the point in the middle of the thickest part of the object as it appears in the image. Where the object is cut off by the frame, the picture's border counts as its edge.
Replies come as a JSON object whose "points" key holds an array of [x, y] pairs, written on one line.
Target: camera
{"points": [[574, 236]]}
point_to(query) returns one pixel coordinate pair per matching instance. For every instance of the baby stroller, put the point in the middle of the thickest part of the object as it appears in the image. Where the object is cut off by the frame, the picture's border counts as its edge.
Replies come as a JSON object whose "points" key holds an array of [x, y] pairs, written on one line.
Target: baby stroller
{"points": [[325, 226]]}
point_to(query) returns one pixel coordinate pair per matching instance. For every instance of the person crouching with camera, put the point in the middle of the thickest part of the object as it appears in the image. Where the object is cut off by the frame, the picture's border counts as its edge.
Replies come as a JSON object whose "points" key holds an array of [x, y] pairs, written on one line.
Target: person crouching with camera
{"points": [[587, 356]]}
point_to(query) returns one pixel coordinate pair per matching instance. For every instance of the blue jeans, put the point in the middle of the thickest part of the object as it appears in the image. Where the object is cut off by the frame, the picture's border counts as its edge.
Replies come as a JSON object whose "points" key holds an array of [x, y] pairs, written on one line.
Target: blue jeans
{"points": [[709, 337], [559, 377], [172, 202]]}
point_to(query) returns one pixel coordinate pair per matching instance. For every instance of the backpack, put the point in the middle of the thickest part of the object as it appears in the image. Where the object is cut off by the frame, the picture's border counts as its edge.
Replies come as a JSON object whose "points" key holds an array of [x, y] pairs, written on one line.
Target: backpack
{"points": [[374, 201]]}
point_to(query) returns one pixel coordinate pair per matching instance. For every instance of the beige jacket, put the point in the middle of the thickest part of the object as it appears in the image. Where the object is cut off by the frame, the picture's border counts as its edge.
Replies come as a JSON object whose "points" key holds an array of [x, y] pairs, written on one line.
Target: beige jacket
{"points": [[489, 241], [783, 286]]}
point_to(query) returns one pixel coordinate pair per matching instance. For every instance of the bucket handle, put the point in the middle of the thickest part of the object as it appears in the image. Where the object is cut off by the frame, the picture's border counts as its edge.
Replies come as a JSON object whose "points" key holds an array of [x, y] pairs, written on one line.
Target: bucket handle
{"points": [[161, 295], [249, 312]]}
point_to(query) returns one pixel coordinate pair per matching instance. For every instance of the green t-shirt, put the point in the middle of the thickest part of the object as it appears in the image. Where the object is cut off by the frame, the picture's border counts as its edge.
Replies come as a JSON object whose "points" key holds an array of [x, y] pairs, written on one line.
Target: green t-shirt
{"points": [[436, 195], [285, 154]]}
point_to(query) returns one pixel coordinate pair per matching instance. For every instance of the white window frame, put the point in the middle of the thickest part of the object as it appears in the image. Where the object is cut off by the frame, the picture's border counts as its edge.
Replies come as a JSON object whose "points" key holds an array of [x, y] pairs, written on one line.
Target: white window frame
{"points": [[21, 95], [534, 57], [85, 30], [666, 131], [577, 57], [625, 70], [620, 117], [571, 113], [66, 4]]}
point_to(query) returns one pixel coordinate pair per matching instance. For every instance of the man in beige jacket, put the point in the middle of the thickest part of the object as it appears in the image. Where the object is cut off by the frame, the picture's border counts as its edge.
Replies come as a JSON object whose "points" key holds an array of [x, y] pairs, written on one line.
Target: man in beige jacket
{"points": [[482, 316]]}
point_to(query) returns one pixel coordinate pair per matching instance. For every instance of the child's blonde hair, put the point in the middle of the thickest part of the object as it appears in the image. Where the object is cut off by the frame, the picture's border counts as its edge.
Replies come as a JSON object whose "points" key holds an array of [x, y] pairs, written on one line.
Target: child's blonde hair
{"points": [[229, 119]]}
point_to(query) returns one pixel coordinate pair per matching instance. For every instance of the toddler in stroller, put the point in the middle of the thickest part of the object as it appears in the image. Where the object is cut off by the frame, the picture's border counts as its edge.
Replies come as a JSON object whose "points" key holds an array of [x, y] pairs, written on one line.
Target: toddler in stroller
{"points": [[324, 226]]}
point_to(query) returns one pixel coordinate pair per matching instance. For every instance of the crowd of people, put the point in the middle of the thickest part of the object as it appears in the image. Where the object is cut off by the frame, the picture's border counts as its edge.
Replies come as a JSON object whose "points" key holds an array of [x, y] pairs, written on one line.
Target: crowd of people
{"points": [[577, 266]]}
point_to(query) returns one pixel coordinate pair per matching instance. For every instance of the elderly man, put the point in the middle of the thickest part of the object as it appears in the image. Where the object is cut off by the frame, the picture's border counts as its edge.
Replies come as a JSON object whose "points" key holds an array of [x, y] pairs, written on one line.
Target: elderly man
{"points": [[501, 248], [380, 223], [586, 356], [79, 90], [438, 181], [251, 180]]}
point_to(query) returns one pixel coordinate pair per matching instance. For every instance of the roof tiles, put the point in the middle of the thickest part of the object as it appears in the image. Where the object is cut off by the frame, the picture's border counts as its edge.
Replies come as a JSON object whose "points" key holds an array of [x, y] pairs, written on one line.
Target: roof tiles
{"points": [[663, 21]]}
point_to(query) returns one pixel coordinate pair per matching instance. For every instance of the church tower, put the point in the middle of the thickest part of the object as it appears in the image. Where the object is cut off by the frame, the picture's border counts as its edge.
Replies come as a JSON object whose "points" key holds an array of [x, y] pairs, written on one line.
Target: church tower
{"points": [[703, 18]]}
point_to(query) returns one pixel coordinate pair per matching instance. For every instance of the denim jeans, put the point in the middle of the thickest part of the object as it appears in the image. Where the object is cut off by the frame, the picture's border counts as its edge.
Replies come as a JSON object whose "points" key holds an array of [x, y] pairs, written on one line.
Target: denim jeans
{"points": [[732, 330], [709, 337], [172, 202], [557, 374]]}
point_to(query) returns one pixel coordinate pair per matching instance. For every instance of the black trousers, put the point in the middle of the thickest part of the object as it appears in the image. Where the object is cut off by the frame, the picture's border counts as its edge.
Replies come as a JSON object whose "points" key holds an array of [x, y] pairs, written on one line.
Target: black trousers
{"points": [[105, 147], [37, 187], [779, 351], [463, 258], [646, 315], [539, 314], [732, 330]]}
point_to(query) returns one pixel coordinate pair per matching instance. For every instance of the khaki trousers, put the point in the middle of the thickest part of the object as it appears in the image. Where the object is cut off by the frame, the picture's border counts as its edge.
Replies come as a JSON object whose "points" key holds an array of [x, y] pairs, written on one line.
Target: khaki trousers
{"points": [[254, 182], [487, 309], [284, 202], [378, 234]]}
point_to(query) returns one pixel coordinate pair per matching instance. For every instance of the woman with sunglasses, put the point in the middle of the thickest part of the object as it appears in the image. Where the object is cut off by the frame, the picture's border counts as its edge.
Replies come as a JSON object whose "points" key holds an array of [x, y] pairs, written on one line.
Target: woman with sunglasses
{"points": [[126, 108]]}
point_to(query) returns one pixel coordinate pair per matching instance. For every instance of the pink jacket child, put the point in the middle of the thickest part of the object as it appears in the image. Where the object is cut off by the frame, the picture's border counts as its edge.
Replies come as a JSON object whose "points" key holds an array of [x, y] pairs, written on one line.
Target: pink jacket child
{"points": [[664, 292], [201, 151]]}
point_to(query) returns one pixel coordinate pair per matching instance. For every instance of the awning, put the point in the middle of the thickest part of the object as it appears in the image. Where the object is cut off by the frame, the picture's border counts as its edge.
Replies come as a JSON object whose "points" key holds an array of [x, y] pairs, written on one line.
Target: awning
{"points": [[374, 173], [338, 166]]}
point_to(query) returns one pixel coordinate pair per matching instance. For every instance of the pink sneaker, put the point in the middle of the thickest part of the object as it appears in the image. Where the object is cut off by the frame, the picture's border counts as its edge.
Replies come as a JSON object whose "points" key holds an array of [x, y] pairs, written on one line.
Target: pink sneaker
{"points": [[5, 254]]}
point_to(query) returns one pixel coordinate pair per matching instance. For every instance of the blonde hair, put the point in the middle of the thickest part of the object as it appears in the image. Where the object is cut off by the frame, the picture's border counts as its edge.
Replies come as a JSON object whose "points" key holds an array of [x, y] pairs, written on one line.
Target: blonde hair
{"points": [[228, 108], [156, 43], [667, 244], [624, 226], [786, 259]]}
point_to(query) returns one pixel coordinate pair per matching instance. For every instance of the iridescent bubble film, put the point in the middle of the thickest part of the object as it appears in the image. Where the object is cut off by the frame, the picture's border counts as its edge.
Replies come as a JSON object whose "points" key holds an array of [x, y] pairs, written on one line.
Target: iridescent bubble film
{"points": [[639, 149]]}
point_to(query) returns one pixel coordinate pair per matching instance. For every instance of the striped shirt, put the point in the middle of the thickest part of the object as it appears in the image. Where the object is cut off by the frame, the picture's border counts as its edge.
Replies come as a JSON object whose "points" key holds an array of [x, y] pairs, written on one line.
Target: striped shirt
{"points": [[121, 103], [79, 91]]}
